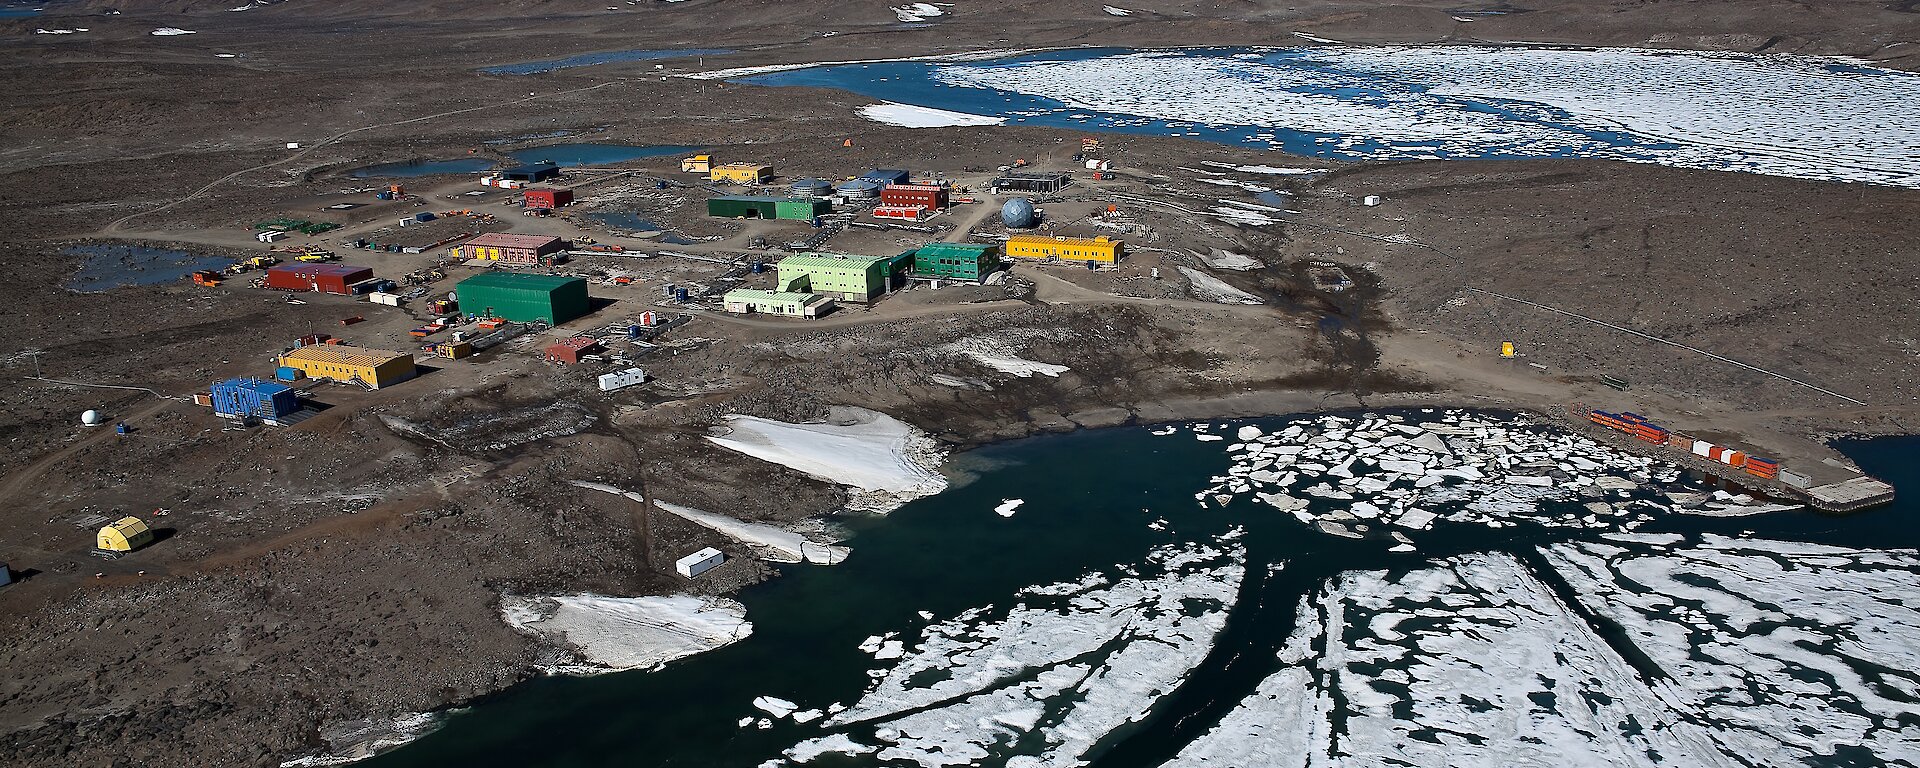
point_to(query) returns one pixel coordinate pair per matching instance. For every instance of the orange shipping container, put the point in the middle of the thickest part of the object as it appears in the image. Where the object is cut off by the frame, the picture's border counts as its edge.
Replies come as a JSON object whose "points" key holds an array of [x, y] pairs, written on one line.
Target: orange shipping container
{"points": [[1734, 459]]}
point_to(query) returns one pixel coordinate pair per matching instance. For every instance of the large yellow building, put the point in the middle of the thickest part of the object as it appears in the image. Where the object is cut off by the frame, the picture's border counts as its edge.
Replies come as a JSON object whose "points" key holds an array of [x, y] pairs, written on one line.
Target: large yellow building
{"points": [[1100, 250], [741, 173], [375, 368], [126, 535]]}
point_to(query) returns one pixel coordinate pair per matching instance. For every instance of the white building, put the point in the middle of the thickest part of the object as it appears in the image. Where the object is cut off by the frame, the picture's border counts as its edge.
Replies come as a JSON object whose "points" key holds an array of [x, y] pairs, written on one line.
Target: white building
{"points": [[699, 562]]}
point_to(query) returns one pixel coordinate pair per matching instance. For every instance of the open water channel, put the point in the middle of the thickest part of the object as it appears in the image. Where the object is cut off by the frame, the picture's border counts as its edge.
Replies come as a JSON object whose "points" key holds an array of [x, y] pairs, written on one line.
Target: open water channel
{"points": [[1191, 614]]}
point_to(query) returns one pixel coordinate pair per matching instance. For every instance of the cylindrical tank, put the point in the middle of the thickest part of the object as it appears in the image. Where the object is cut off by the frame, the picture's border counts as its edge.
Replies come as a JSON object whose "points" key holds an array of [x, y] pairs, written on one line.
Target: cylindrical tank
{"points": [[759, 267], [1018, 213], [680, 295], [858, 189], [811, 188]]}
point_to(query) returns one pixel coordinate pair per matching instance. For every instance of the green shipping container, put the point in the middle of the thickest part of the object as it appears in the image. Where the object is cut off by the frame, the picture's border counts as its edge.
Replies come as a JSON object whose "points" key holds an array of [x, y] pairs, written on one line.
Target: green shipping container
{"points": [[524, 298]]}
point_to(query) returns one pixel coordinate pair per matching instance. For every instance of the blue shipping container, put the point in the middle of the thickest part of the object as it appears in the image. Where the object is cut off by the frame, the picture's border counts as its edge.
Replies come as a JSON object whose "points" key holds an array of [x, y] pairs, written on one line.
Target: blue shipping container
{"points": [[285, 373], [253, 397]]}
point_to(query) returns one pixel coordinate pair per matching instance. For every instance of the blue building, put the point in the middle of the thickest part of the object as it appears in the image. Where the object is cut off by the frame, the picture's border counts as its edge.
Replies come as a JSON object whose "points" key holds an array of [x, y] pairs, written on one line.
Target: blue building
{"points": [[885, 176], [254, 397]]}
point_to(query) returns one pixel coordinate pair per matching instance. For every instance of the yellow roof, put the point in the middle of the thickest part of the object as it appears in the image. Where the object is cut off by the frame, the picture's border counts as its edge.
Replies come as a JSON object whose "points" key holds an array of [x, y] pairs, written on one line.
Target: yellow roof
{"points": [[1101, 240], [129, 526], [738, 166], [341, 354], [701, 157]]}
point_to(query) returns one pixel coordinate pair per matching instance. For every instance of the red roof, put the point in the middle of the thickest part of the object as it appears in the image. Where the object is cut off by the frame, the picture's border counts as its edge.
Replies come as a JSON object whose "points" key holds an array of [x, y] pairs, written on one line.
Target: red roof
{"points": [[311, 270], [504, 240], [577, 344]]}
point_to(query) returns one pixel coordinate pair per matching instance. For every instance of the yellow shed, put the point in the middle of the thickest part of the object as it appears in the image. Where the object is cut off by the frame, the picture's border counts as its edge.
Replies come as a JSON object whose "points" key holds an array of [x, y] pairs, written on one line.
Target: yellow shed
{"points": [[1100, 250], [741, 173], [375, 368], [697, 164], [126, 535]]}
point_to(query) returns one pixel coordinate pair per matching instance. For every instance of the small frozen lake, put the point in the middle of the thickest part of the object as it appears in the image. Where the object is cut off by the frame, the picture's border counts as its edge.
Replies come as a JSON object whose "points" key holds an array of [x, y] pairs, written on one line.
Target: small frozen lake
{"points": [[1821, 118]]}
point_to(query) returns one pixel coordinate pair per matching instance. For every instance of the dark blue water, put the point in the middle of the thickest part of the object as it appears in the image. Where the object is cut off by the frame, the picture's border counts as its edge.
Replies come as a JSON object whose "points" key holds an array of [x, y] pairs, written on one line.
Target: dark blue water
{"points": [[602, 57], [119, 266], [1089, 497], [416, 168], [13, 11], [574, 155], [911, 82]]}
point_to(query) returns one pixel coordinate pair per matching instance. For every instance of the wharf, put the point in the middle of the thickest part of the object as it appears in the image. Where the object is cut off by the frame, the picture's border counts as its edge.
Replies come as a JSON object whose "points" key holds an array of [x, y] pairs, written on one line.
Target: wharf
{"points": [[1849, 495]]}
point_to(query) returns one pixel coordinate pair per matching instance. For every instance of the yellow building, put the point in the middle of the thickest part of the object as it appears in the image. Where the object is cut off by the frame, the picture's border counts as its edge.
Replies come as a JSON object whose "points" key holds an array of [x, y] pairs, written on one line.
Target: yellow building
{"points": [[375, 368], [697, 164], [741, 173], [126, 535], [1100, 250]]}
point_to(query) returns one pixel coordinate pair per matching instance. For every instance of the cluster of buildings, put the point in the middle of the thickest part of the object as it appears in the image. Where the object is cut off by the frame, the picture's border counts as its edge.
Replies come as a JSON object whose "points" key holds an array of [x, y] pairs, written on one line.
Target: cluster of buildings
{"points": [[890, 193]]}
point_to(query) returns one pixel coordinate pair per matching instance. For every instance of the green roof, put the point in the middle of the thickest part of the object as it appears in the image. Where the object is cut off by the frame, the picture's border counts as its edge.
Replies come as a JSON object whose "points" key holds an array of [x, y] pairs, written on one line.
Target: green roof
{"points": [[752, 198], [954, 250], [515, 280], [812, 260]]}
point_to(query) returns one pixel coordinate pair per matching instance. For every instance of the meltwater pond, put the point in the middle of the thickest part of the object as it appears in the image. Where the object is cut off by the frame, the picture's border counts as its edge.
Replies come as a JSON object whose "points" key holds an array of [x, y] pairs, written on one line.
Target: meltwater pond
{"points": [[415, 168], [1805, 117], [574, 155], [118, 266], [1238, 594], [602, 57]]}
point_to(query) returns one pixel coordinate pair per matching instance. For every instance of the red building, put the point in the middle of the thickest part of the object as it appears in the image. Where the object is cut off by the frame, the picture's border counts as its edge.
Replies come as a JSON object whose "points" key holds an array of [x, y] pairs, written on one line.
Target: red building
{"points": [[524, 250], [929, 197], [325, 278], [570, 350], [900, 212], [548, 198]]}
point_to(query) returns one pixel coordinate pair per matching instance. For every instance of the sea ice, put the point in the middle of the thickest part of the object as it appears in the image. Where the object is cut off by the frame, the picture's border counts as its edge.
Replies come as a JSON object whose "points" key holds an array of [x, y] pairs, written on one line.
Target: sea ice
{"points": [[1007, 506], [617, 633], [914, 116]]}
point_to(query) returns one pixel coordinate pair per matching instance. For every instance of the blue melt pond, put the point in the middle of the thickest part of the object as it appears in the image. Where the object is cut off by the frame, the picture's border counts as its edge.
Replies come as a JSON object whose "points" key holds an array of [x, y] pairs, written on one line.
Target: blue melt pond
{"points": [[118, 266], [573, 155], [413, 168]]}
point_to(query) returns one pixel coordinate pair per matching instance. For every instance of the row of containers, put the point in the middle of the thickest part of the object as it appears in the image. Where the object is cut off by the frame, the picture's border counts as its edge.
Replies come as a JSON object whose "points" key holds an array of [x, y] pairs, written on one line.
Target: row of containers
{"points": [[1640, 428]]}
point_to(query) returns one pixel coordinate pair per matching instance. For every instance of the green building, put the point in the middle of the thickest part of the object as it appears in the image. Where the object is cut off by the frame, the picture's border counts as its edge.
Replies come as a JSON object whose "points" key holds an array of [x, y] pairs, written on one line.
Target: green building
{"points": [[523, 298], [955, 261], [844, 276], [755, 207]]}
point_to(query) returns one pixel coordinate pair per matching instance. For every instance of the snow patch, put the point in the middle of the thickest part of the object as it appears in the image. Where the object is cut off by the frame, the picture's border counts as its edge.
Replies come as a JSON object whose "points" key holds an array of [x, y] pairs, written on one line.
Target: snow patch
{"points": [[882, 456], [619, 633]]}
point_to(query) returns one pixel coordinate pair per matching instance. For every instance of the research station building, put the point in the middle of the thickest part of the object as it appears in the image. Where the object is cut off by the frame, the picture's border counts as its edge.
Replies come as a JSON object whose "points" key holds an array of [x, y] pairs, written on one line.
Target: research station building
{"points": [[747, 301], [741, 173], [758, 207], [524, 298], [846, 277], [955, 261], [1096, 250], [518, 250], [374, 368]]}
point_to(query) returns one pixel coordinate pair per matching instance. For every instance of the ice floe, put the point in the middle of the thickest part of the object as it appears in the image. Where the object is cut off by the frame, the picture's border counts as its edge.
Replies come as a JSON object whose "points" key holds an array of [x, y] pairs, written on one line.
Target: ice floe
{"points": [[1406, 472], [1057, 671], [885, 458], [1008, 506], [912, 116], [618, 633], [1830, 118]]}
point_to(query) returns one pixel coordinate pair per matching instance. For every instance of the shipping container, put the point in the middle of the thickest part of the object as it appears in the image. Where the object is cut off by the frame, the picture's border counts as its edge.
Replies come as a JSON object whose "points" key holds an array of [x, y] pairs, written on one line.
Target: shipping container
{"points": [[388, 299], [1733, 458], [699, 562], [627, 378], [286, 373], [1703, 448], [1795, 479]]}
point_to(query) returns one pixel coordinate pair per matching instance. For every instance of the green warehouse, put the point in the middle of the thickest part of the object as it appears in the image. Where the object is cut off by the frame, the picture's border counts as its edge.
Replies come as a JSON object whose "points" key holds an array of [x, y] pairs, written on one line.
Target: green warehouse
{"points": [[754, 207], [955, 261], [523, 298], [844, 276]]}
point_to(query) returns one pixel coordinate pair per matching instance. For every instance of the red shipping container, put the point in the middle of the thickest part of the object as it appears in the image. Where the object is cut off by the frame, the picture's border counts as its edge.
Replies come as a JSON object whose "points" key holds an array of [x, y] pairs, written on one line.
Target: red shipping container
{"points": [[548, 198], [325, 278]]}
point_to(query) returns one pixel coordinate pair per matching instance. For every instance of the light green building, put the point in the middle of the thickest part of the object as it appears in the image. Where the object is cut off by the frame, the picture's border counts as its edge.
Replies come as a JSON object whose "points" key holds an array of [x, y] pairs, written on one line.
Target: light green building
{"points": [[844, 276], [747, 301]]}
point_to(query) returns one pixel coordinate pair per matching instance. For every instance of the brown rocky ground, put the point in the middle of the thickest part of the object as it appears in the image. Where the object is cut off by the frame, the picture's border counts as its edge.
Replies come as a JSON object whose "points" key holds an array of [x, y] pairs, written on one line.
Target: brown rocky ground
{"points": [[349, 568]]}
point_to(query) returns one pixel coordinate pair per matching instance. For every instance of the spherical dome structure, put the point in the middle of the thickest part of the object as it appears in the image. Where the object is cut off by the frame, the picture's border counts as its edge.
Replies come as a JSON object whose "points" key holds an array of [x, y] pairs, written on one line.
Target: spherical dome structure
{"points": [[1018, 213], [92, 418]]}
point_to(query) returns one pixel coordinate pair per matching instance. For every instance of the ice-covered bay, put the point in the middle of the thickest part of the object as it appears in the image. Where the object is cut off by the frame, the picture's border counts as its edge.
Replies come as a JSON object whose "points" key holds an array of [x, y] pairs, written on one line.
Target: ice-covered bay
{"points": [[1829, 118]]}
